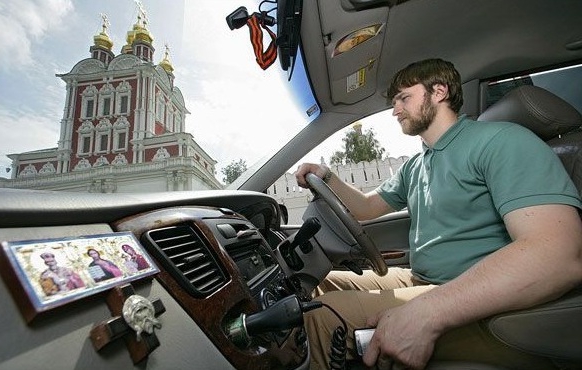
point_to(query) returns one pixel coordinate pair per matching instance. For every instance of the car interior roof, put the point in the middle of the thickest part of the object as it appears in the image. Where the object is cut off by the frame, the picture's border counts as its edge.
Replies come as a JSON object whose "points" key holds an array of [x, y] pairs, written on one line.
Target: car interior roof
{"points": [[498, 40], [501, 38]]}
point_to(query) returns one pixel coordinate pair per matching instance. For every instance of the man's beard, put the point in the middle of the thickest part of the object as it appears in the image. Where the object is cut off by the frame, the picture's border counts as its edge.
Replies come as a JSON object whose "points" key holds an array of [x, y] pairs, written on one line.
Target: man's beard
{"points": [[418, 125]]}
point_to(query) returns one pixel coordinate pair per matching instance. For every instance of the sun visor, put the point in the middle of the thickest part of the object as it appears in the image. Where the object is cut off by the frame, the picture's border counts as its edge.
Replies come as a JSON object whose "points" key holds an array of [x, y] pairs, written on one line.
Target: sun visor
{"points": [[352, 56]]}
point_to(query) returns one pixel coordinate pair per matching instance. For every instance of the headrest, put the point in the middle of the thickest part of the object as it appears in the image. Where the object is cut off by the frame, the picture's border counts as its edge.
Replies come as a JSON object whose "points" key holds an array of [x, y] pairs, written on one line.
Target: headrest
{"points": [[544, 113]]}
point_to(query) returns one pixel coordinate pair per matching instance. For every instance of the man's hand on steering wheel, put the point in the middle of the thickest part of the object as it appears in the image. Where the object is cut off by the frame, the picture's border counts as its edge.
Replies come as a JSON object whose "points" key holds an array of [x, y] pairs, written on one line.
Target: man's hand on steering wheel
{"points": [[313, 176], [318, 170]]}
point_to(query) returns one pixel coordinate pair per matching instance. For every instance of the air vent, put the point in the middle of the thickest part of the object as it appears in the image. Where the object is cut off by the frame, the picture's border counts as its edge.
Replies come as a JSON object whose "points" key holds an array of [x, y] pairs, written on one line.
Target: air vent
{"points": [[185, 255]]}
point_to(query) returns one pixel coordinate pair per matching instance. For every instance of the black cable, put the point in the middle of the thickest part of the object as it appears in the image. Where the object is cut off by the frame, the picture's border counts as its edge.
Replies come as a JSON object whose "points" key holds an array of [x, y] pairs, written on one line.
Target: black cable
{"points": [[268, 1], [338, 351]]}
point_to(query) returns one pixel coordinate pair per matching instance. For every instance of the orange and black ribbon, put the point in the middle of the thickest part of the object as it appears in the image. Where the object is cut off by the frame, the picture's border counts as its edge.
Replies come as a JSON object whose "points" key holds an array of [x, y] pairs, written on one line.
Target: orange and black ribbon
{"points": [[267, 57]]}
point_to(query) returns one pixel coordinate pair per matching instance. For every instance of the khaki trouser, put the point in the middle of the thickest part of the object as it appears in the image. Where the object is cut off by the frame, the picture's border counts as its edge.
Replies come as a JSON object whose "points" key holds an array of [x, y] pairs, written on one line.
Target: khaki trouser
{"points": [[356, 298]]}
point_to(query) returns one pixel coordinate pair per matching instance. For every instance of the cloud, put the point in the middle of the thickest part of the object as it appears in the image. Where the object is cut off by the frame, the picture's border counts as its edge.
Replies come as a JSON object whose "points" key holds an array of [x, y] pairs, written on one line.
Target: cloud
{"points": [[229, 118], [24, 130], [42, 131], [24, 23]]}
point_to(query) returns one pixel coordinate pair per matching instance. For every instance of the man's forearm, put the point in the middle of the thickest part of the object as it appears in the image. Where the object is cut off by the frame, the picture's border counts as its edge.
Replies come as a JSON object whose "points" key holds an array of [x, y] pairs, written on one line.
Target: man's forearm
{"points": [[361, 205], [526, 272]]}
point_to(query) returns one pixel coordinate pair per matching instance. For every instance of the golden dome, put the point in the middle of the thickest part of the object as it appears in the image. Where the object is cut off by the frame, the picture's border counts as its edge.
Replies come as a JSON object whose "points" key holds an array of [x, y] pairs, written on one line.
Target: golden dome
{"points": [[130, 37], [127, 49], [165, 63], [102, 38], [144, 35], [140, 32]]}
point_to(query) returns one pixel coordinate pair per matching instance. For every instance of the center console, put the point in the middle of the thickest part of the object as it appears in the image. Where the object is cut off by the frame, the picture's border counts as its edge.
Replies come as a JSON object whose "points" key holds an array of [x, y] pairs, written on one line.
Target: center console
{"points": [[218, 266]]}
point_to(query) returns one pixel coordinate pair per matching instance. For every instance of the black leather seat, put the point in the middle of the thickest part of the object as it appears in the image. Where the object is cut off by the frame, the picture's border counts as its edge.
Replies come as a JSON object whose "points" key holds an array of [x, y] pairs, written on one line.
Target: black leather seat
{"points": [[551, 118], [553, 329]]}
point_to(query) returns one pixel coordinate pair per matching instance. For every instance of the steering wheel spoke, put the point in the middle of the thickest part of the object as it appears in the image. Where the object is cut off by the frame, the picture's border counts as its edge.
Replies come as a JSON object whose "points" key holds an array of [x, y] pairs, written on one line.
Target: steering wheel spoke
{"points": [[365, 247]]}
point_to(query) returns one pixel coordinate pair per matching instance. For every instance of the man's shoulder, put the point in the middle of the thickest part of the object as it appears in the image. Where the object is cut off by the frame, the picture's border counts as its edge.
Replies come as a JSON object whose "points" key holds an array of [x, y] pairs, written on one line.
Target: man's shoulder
{"points": [[494, 127], [498, 131]]}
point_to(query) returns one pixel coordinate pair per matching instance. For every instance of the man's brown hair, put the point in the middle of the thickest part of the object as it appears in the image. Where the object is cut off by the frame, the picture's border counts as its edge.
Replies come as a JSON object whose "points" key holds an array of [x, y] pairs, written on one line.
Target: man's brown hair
{"points": [[430, 72]]}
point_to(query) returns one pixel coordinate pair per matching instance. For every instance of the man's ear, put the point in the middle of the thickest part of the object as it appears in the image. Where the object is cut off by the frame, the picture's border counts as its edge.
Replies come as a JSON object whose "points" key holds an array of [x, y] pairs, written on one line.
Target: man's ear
{"points": [[440, 92]]}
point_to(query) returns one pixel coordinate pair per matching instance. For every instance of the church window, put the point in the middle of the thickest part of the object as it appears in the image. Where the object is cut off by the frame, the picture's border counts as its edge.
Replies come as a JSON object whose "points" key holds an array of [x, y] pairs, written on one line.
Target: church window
{"points": [[120, 140], [103, 129], [170, 120], [106, 106], [85, 144], [160, 108], [105, 99], [103, 142], [122, 98], [88, 102], [122, 101], [177, 122], [89, 107], [123, 104], [85, 138], [120, 134], [139, 51]]}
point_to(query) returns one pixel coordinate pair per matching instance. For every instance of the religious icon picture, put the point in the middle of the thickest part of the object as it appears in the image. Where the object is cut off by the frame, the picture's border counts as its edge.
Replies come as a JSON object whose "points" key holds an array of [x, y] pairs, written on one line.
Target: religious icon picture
{"points": [[53, 272]]}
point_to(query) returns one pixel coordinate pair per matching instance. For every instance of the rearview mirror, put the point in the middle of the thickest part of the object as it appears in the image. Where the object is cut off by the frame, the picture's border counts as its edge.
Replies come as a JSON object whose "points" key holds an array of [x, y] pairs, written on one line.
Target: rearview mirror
{"points": [[238, 18]]}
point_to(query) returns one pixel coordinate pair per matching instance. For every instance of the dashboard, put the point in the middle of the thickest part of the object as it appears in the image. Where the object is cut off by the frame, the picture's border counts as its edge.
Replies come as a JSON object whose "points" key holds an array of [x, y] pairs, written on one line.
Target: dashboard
{"points": [[215, 255]]}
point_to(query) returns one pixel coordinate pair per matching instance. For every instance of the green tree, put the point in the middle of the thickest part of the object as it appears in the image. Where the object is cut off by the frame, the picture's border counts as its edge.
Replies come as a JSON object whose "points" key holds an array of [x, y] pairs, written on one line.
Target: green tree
{"points": [[358, 147], [232, 171]]}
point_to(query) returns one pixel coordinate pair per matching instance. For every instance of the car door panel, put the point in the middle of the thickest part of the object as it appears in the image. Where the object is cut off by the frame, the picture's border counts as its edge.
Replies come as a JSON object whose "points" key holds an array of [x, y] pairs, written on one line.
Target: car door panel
{"points": [[390, 234]]}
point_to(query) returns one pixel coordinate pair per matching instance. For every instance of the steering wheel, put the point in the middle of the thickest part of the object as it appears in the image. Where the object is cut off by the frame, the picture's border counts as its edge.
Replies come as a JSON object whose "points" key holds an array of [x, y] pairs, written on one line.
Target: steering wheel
{"points": [[367, 248]]}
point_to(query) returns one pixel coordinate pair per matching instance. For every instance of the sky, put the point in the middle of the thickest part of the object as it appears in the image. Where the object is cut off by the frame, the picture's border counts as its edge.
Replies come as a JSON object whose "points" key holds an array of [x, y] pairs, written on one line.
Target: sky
{"points": [[231, 100]]}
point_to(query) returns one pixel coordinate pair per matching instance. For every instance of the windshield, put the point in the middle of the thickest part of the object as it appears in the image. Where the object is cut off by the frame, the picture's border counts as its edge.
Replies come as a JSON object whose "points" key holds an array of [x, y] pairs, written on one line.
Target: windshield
{"points": [[231, 104]]}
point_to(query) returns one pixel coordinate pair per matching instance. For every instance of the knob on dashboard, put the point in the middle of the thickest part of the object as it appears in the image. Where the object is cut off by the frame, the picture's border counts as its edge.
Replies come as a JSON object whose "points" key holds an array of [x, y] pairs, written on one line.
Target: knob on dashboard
{"points": [[267, 298]]}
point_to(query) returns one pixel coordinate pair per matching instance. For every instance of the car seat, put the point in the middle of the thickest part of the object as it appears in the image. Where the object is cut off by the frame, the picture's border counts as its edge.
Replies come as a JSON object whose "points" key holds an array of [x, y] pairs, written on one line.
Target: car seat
{"points": [[553, 329]]}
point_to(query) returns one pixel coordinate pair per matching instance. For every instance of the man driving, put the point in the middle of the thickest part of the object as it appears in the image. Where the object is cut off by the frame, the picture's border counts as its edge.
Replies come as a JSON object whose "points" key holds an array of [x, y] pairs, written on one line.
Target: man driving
{"points": [[494, 227]]}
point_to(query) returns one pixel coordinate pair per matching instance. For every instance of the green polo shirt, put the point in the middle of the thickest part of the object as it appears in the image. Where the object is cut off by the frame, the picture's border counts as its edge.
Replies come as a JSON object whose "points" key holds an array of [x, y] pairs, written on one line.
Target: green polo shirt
{"points": [[458, 192]]}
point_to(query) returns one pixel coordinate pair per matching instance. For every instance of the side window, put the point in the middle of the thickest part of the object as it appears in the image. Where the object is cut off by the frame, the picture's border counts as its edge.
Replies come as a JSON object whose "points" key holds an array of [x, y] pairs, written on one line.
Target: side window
{"points": [[564, 82], [365, 175]]}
